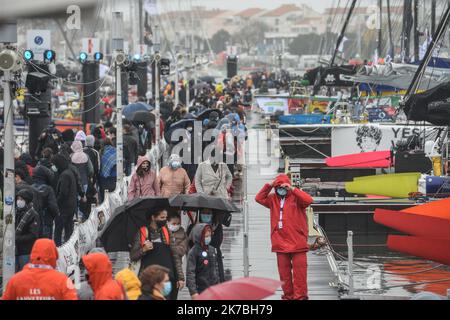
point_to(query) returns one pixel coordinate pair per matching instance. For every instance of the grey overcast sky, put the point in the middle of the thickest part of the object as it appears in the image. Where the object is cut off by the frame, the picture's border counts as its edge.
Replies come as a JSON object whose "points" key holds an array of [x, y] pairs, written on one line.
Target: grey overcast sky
{"points": [[318, 5]]}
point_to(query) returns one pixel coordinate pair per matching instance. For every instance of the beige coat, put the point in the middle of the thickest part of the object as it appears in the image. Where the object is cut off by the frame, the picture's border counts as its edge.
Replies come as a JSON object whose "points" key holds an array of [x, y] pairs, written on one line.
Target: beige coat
{"points": [[213, 183], [173, 182]]}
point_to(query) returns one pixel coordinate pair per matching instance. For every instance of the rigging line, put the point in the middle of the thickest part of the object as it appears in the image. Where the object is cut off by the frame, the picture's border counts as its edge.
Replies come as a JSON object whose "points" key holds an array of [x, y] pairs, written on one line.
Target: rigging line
{"points": [[100, 86], [204, 32], [406, 285], [328, 30], [97, 19], [67, 81], [92, 108]]}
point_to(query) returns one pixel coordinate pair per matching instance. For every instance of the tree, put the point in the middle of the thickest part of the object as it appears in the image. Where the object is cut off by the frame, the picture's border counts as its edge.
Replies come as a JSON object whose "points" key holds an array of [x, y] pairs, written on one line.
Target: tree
{"points": [[219, 40], [312, 43], [251, 35]]}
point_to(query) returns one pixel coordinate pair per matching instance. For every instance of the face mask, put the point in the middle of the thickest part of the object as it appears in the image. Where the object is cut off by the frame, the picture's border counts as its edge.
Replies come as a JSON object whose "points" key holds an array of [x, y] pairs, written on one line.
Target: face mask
{"points": [[161, 223], [21, 204], [282, 192], [174, 228], [175, 165], [206, 218], [190, 129], [207, 240], [167, 288], [54, 168]]}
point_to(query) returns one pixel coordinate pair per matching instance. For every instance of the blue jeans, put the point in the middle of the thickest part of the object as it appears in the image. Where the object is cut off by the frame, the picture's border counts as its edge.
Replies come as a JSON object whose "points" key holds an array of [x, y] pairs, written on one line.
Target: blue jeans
{"points": [[21, 261]]}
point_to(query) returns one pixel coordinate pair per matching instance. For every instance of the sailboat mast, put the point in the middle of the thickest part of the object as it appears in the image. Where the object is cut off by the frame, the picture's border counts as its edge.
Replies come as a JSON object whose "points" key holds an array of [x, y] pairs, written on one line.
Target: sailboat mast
{"points": [[437, 36], [391, 41], [406, 32], [380, 30], [341, 35], [433, 16]]}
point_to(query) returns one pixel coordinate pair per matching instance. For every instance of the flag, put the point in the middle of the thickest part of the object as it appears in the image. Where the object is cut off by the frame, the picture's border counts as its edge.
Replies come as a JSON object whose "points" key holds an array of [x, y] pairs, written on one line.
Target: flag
{"points": [[341, 46], [375, 57]]}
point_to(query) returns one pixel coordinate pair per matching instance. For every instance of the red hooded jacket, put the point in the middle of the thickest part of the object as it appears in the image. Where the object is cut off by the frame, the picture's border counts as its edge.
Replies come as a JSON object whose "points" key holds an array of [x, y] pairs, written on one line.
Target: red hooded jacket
{"points": [[293, 236], [99, 269], [39, 280]]}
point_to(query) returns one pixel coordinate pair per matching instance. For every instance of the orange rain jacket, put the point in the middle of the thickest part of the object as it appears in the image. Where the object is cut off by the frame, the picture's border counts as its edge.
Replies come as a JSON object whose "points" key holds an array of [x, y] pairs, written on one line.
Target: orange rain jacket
{"points": [[99, 269], [39, 280]]}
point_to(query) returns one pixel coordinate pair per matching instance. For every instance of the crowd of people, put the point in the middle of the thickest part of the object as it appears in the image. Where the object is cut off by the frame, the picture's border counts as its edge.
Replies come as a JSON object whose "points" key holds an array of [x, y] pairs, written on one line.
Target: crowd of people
{"points": [[71, 171]]}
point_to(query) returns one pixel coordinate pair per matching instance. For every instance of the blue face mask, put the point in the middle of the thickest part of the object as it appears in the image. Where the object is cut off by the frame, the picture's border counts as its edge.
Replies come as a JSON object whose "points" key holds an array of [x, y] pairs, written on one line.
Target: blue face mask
{"points": [[207, 240], [206, 218], [175, 165], [167, 288], [282, 192]]}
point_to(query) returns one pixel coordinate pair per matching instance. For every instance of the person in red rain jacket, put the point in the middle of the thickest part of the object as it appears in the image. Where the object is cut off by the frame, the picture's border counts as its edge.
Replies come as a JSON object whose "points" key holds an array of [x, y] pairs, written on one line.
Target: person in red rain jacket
{"points": [[99, 277], [39, 280], [289, 233]]}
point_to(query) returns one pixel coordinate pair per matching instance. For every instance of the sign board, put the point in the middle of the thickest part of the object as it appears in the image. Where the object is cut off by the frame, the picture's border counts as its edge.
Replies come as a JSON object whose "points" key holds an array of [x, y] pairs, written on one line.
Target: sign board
{"points": [[373, 137], [91, 45], [272, 105], [38, 41], [143, 49], [232, 50], [382, 114]]}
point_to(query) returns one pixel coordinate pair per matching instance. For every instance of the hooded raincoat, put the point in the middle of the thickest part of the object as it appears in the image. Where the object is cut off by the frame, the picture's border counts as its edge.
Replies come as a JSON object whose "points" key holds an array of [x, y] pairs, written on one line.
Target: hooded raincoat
{"points": [[130, 282], [99, 269], [293, 236], [82, 162], [201, 270], [143, 186]]}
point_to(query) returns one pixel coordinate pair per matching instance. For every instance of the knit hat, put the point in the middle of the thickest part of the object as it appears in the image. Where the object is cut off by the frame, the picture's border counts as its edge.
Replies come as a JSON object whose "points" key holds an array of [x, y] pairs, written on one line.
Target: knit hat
{"points": [[81, 136], [90, 141], [25, 194]]}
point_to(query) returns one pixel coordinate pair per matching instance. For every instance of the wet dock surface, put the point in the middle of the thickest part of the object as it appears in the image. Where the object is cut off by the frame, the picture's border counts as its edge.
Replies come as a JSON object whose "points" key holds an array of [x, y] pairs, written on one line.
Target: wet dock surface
{"points": [[261, 259]]}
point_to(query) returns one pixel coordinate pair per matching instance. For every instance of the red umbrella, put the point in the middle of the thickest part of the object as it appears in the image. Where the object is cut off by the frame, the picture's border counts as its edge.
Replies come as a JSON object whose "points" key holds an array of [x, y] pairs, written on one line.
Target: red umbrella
{"points": [[251, 288]]}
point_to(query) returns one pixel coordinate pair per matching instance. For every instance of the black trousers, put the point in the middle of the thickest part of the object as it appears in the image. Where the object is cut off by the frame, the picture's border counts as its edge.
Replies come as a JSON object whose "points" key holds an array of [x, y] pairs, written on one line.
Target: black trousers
{"points": [[63, 223], [174, 294], [106, 184]]}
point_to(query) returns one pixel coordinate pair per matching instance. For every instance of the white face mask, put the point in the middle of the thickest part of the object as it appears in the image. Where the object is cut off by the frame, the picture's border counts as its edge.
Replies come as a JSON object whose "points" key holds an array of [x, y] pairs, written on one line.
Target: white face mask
{"points": [[21, 204], [174, 228]]}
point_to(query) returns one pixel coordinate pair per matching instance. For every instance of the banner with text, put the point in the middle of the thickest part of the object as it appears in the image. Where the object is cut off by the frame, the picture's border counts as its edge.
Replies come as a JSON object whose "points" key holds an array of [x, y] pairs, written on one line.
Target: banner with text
{"points": [[373, 137]]}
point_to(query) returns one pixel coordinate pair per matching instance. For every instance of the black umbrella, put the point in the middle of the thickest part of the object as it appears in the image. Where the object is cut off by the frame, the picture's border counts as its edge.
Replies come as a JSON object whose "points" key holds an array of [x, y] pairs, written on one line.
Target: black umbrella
{"points": [[202, 201], [131, 109], [201, 86], [143, 116], [120, 231], [182, 124], [208, 79]]}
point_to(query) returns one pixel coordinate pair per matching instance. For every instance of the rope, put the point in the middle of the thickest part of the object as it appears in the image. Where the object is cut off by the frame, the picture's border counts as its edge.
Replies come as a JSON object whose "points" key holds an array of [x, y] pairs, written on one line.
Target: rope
{"points": [[406, 285], [343, 258]]}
